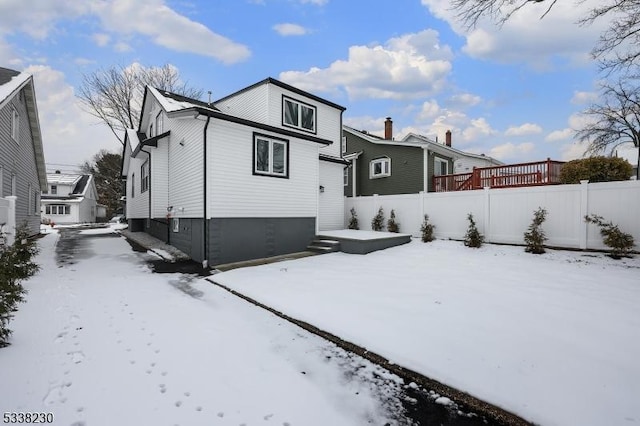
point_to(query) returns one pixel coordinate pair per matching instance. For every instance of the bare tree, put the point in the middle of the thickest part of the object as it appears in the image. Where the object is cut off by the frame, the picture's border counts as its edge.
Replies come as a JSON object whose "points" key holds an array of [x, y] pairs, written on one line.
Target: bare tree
{"points": [[114, 95], [618, 47], [614, 120]]}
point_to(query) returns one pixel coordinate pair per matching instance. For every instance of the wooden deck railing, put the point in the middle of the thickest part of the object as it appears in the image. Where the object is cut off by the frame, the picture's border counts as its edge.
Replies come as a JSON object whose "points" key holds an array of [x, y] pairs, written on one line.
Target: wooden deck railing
{"points": [[507, 176]]}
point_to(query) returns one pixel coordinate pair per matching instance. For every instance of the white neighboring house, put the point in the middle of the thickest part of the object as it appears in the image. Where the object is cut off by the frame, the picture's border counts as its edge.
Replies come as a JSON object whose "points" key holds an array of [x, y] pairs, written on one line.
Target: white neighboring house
{"points": [[256, 174], [70, 198]]}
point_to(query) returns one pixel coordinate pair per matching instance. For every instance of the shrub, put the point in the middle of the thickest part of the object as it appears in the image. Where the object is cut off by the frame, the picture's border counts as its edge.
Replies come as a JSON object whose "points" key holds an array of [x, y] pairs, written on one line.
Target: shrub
{"points": [[427, 230], [377, 223], [620, 243], [15, 265], [534, 238], [473, 238], [392, 225], [596, 169], [353, 221]]}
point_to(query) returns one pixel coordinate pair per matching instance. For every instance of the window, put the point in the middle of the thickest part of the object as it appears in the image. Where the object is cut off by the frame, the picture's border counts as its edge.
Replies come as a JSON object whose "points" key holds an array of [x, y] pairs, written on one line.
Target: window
{"points": [[175, 222], [270, 156], [344, 144], [14, 184], [297, 114], [144, 177], [133, 185], [36, 202], [151, 130], [30, 199], [441, 167], [346, 176], [380, 167], [54, 189], [15, 124], [159, 123], [58, 209]]}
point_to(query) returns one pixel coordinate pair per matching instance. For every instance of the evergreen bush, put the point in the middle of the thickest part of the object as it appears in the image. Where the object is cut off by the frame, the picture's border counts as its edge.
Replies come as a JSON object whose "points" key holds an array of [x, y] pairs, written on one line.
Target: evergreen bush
{"points": [[427, 230], [596, 169], [392, 225], [473, 237], [377, 223], [534, 238], [353, 221], [620, 242], [15, 265]]}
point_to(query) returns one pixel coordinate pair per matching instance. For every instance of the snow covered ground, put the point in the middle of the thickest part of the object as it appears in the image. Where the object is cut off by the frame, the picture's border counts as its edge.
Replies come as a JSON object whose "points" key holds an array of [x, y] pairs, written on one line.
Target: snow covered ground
{"points": [[554, 338], [103, 341]]}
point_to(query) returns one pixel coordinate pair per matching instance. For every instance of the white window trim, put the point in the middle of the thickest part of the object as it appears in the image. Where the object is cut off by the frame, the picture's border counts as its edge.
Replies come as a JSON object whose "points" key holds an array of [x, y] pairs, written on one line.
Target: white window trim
{"points": [[54, 209], [386, 168], [272, 141], [345, 177], [299, 104], [14, 184], [159, 123], [144, 177], [344, 144], [30, 208], [175, 224], [437, 168], [15, 124]]}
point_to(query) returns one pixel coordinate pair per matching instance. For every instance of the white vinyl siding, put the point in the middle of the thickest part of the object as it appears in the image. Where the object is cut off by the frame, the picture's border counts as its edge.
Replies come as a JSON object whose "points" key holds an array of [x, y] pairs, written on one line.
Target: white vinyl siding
{"points": [[15, 124], [185, 166], [233, 189], [159, 181], [137, 203], [251, 104], [331, 214]]}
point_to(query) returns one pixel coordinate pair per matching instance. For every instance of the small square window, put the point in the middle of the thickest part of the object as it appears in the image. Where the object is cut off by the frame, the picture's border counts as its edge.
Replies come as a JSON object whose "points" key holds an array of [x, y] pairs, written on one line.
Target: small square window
{"points": [[379, 168], [54, 189], [270, 156], [175, 224]]}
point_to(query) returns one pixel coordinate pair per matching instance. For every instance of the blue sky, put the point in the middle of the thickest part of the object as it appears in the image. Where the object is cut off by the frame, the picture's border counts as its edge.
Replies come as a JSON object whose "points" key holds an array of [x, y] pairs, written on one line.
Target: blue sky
{"points": [[513, 92]]}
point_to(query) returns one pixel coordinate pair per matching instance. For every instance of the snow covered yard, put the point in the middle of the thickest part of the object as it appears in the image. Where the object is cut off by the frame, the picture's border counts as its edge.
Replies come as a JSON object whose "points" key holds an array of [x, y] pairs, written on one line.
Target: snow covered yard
{"points": [[554, 338], [103, 341]]}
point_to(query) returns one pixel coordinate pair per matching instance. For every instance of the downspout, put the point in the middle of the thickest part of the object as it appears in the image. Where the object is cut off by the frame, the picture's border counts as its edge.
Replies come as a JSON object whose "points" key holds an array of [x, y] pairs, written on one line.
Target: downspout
{"points": [[149, 188], [205, 239]]}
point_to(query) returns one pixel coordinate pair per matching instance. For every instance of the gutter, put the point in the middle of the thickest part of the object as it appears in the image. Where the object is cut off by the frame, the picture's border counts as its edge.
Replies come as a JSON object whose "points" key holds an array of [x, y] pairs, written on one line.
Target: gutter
{"points": [[205, 239]]}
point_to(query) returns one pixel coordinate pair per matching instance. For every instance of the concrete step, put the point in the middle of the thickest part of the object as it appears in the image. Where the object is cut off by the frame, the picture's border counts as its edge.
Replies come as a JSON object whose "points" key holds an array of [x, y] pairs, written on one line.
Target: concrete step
{"points": [[319, 245]]}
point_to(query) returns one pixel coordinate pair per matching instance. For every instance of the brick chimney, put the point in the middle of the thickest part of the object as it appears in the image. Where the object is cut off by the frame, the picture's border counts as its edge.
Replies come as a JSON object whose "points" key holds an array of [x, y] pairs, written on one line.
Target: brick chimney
{"points": [[388, 128], [447, 140]]}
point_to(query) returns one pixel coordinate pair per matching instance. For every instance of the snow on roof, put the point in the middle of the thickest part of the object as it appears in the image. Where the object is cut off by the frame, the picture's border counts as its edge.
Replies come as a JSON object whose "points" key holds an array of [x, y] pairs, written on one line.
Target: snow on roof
{"points": [[134, 140], [7, 89], [62, 178], [171, 102]]}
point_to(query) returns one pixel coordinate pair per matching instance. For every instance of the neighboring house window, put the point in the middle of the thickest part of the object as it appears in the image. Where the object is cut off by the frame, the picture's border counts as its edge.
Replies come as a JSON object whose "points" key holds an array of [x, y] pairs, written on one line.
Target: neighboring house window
{"points": [[36, 202], [441, 167], [175, 222], [15, 124], [58, 209], [14, 184], [346, 176], [298, 114], [270, 156], [144, 176], [133, 185], [159, 123], [54, 189], [380, 167], [344, 144], [30, 199]]}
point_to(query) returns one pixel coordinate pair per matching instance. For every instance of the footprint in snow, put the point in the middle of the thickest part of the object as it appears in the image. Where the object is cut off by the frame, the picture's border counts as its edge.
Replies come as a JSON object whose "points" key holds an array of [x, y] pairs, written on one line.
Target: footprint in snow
{"points": [[268, 416], [178, 403]]}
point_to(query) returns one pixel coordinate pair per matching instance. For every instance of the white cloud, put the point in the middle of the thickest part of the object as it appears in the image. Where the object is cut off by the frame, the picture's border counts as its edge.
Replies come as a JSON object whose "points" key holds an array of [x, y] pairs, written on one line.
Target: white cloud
{"points": [[559, 135], [478, 128], [573, 150], [84, 61], [101, 39], [151, 18], [70, 135], [524, 129], [410, 66], [527, 38], [122, 47], [316, 2], [430, 109], [510, 150], [581, 98], [290, 29], [464, 100]]}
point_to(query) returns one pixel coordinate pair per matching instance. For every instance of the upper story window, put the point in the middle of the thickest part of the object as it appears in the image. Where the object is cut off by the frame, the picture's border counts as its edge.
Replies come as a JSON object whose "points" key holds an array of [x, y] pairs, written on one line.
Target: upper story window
{"points": [[159, 123], [380, 167], [144, 176], [344, 144], [54, 189], [270, 156], [151, 134], [298, 114], [15, 124]]}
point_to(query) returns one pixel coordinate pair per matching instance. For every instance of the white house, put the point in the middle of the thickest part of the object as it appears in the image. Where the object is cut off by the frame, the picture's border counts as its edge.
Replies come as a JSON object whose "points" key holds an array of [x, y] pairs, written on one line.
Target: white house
{"points": [[257, 173], [70, 198]]}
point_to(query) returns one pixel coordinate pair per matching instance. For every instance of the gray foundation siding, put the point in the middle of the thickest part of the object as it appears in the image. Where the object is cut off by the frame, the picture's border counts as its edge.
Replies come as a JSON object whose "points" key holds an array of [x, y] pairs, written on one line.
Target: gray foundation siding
{"points": [[158, 228], [237, 239]]}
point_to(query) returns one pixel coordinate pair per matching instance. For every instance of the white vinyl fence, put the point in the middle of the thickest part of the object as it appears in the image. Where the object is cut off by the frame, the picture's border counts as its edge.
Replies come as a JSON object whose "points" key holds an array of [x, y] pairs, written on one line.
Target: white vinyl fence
{"points": [[7, 220], [503, 215]]}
